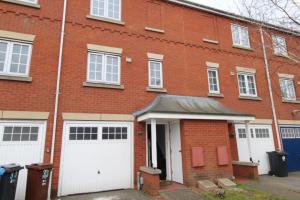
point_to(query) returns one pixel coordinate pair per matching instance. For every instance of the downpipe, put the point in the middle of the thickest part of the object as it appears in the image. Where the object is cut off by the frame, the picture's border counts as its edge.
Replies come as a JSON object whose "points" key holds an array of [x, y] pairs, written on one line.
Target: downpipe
{"points": [[57, 92], [267, 67]]}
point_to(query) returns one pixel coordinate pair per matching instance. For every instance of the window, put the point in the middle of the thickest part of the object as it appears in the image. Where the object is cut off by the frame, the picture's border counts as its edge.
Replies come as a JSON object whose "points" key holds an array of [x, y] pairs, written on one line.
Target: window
{"points": [[114, 133], [213, 80], [247, 85], [14, 58], [155, 74], [20, 133], [104, 68], [287, 89], [279, 45], [240, 36], [262, 133], [242, 133], [290, 132], [106, 8], [83, 133]]}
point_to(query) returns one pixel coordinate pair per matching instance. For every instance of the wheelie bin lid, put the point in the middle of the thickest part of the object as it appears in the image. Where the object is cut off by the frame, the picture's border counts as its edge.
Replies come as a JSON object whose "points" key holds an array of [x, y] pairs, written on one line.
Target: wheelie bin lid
{"points": [[282, 153], [40, 166], [13, 167]]}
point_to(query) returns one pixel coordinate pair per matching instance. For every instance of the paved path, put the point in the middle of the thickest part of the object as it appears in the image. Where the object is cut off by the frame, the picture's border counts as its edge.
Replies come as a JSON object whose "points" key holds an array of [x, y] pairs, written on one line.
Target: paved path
{"points": [[112, 195], [288, 187], [180, 194]]}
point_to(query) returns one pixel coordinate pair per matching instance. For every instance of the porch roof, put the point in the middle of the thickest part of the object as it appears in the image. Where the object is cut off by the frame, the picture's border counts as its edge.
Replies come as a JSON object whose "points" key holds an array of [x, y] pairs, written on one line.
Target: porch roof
{"points": [[187, 107]]}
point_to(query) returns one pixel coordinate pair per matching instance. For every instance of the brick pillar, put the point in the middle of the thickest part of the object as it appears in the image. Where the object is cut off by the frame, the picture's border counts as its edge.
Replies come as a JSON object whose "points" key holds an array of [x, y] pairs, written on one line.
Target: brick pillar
{"points": [[245, 170], [151, 180]]}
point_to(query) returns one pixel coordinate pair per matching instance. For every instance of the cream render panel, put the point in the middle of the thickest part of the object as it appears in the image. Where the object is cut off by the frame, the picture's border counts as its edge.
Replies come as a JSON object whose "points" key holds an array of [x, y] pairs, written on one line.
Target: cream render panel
{"points": [[17, 36], [94, 47], [97, 117], [290, 76], [244, 69], [155, 56], [24, 115], [211, 64]]}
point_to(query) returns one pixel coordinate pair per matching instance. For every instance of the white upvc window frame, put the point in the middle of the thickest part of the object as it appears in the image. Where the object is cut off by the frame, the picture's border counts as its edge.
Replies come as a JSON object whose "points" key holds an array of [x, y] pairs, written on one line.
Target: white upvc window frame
{"points": [[8, 58], [279, 49], [106, 10], [240, 34], [217, 80], [286, 80], [246, 74], [104, 68], [160, 62]]}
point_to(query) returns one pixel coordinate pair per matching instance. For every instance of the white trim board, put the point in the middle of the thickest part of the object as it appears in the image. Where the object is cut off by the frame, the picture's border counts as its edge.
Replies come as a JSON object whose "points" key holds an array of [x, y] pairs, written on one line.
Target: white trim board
{"points": [[191, 116]]}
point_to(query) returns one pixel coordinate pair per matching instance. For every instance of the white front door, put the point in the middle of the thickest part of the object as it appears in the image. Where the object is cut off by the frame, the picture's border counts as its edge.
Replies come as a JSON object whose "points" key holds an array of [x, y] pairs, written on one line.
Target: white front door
{"points": [[22, 143], [176, 157], [96, 157], [261, 140]]}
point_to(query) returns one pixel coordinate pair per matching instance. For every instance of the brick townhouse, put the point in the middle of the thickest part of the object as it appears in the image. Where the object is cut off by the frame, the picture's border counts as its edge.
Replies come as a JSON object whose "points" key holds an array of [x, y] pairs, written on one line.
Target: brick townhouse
{"points": [[125, 87]]}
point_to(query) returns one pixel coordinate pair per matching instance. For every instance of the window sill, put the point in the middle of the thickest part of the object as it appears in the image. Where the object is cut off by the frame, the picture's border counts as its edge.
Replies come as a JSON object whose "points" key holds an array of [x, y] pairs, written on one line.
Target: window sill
{"points": [[210, 41], [280, 55], [243, 48], [16, 78], [106, 20], [290, 101], [159, 90], [102, 85], [220, 95], [154, 30], [32, 5], [250, 98]]}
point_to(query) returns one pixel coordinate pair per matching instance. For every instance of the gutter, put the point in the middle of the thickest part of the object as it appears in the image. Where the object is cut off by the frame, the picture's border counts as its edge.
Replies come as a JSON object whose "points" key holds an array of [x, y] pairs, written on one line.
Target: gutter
{"points": [[232, 16], [62, 34], [267, 67]]}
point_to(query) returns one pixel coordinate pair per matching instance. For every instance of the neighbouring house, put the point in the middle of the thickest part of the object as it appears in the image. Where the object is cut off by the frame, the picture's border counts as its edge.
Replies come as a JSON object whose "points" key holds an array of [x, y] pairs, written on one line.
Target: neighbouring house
{"points": [[171, 89]]}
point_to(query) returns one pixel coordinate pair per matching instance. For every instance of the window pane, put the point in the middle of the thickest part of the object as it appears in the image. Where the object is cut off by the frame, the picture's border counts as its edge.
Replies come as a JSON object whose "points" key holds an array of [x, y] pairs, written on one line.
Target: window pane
{"points": [[242, 84], [235, 35], [155, 74], [3, 53], [98, 7], [19, 59], [95, 67], [212, 80]]}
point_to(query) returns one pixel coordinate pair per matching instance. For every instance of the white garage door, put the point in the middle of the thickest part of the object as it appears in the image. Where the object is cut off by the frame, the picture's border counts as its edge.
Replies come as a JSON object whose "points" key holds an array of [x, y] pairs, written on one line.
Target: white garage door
{"points": [[261, 141], [96, 157], [22, 143]]}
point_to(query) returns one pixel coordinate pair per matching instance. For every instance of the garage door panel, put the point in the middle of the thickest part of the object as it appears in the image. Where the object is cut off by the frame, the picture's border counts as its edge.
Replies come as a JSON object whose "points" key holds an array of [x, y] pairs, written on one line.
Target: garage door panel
{"points": [[21, 143], [291, 144], [261, 141], [105, 160]]}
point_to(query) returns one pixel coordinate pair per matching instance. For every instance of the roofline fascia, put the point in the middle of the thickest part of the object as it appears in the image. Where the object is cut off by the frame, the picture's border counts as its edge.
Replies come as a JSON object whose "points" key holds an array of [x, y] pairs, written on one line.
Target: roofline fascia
{"points": [[147, 116], [233, 16]]}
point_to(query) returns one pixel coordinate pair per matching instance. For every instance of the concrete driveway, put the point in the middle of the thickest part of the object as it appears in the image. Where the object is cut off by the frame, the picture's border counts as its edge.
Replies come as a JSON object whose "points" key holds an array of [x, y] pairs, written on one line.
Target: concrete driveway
{"points": [[112, 195], [288, 187]]}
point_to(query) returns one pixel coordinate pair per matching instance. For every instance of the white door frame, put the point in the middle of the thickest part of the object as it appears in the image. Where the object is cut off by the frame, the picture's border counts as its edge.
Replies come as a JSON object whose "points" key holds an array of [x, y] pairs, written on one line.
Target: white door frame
{"points": [[64, 136], [168, 147]]}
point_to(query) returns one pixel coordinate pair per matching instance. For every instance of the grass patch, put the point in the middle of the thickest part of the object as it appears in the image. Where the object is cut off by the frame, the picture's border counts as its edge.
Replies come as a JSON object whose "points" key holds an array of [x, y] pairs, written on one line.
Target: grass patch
{"points": [[243, 193]]}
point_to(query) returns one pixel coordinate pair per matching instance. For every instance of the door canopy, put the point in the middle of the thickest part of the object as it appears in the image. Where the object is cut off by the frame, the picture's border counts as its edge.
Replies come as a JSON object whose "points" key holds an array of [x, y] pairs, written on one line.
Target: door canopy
{"points": [[187, 107]]}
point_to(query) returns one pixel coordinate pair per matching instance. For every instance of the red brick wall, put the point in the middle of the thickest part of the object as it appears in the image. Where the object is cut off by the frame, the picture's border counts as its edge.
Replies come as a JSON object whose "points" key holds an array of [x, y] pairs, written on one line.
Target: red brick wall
{"points": [[39, 94], [209, 135]]}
